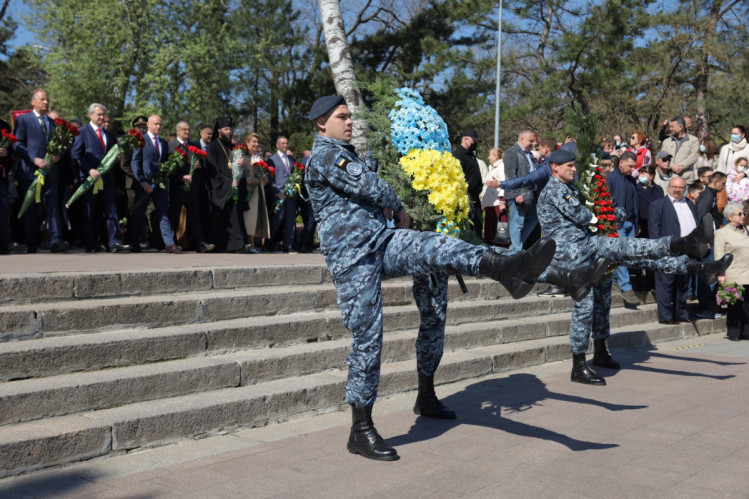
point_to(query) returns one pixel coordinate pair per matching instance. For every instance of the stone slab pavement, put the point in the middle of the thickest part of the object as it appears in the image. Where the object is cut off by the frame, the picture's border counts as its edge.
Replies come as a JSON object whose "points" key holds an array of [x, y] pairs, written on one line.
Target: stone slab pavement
{"points": [[674, 422], [80, 261]]}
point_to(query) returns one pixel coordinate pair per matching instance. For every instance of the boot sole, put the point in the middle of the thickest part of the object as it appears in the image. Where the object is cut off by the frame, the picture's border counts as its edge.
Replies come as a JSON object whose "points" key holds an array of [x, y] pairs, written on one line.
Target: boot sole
{"points": [[354, 450], [589, 382], [435, 416]]}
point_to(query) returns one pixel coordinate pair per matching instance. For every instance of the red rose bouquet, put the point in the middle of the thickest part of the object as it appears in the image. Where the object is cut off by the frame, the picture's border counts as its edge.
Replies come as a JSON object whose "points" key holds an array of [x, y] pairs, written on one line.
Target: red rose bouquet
{"points": [[194, 154]]}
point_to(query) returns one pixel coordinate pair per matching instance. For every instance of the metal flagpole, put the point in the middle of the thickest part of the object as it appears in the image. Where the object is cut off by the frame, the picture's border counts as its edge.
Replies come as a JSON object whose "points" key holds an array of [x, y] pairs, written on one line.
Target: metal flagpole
{"points": [[499, 75]]}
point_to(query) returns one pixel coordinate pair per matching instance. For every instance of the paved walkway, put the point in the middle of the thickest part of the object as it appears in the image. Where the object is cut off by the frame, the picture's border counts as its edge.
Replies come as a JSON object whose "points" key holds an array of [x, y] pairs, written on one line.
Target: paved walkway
{"points": [[673, 423]]}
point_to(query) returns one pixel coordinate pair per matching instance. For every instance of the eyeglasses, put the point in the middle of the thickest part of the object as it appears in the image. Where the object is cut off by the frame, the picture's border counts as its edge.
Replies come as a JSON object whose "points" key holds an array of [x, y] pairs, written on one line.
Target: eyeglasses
{"points": [[740, 214], [633, 137]]}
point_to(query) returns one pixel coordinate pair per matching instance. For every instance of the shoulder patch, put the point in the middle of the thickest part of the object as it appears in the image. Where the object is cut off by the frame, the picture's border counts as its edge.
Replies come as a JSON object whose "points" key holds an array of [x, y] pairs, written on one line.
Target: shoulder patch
{"points": [[352, 168], [572, 199]]}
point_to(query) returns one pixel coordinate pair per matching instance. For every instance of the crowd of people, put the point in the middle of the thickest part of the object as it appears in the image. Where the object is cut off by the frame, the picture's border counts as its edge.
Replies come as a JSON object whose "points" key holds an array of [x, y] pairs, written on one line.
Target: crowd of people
{"points": [[663, 188], [216, 204]]}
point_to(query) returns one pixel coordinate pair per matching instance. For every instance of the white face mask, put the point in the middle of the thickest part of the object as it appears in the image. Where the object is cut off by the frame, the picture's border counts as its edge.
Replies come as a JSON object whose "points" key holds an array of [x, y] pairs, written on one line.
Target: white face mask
{"points": [[741, 169]]}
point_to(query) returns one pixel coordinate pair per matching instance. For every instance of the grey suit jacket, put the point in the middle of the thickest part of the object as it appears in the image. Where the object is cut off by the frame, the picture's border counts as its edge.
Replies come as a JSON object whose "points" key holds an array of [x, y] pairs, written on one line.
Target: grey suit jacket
{"points": [[516, 165]]}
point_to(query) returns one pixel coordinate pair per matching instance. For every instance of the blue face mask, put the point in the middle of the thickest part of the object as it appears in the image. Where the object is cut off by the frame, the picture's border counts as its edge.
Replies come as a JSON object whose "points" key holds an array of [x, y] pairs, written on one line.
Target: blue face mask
{"points": [[618, 145], [735, 138], [643, 179], [702, 148]]}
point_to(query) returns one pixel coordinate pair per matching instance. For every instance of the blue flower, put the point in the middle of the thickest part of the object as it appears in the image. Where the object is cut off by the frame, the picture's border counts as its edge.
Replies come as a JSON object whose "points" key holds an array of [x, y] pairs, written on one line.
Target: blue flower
{"points": [[415, 125]]}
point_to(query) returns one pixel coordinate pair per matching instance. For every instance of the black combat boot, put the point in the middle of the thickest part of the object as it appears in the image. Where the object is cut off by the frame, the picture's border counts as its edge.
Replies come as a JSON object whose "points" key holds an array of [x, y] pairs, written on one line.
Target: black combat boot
{"points": [[602, 357], [518, 272], [709, 271], [577, 281], [581, 373], [696, 242], [427, 403], [364, 439]]}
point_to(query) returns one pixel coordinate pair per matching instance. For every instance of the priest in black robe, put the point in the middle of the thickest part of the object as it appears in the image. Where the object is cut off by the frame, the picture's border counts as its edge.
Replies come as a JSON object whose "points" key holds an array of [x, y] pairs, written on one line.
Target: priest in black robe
{"points": [[226, 227]]}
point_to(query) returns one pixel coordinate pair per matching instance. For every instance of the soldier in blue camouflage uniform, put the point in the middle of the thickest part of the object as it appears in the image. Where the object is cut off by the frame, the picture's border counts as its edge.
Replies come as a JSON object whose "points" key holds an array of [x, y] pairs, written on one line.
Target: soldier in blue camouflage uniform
{"points": [[564, 218], [348, 200]]}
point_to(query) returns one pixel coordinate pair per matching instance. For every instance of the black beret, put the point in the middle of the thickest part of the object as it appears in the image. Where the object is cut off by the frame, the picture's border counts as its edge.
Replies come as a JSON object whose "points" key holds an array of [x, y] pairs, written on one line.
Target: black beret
{"points": [[561, 156], [325, 104]]}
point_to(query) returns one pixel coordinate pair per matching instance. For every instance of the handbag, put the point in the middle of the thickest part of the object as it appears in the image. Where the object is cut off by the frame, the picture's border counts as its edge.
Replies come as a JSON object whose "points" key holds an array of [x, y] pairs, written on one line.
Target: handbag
{"points": [[502, 236]]}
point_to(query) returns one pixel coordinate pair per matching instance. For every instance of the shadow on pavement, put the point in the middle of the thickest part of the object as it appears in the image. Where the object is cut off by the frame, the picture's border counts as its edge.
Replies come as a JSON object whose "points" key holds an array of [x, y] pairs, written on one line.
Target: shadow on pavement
{"points": [[637, 359], [482, 403]]}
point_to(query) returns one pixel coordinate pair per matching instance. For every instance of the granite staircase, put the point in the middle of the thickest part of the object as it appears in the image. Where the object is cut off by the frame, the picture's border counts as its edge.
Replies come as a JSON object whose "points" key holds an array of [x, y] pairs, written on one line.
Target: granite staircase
{"points": [[93, 364]]}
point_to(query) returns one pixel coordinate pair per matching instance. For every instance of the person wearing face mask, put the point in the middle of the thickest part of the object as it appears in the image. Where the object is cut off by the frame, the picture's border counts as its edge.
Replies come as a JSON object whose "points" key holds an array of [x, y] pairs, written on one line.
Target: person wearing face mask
{"points": [[465, 152], [734, 150], [647, 193], [708, 155], [737, 186]]}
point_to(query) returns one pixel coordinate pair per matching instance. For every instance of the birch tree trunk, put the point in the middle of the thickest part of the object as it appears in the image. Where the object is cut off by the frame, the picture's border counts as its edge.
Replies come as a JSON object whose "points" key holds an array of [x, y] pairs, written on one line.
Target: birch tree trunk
{"points": [[342, 66]]}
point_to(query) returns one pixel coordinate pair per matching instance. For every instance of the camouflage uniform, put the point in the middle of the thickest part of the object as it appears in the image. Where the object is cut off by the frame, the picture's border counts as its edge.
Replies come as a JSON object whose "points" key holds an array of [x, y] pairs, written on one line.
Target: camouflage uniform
{"points": [[360, 251], [564, 218]]}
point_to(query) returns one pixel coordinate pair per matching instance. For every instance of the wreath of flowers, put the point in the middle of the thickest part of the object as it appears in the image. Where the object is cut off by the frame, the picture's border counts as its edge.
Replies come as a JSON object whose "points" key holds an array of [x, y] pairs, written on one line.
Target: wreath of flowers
{"points": [[428, 179], [593, 187]]}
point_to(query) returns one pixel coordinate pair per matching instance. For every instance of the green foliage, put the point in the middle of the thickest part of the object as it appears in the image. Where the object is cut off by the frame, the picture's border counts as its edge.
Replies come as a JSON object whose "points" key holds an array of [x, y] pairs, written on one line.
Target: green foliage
{"points": [[586, 128], [299, 141]]}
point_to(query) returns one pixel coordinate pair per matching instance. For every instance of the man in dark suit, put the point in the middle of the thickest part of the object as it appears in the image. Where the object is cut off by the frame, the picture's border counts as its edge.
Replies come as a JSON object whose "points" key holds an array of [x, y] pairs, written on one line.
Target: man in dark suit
{"points": [[521, 202], [465, 152], [33, 131], [179, 197], [283, 221], [88, 150], [672, 215], [145, 164]]}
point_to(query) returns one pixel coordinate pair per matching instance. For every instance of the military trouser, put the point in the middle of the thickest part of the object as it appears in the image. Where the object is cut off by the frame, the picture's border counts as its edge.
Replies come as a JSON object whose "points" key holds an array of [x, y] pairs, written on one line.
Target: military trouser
{"points": [[592, 313], [406, 252]]}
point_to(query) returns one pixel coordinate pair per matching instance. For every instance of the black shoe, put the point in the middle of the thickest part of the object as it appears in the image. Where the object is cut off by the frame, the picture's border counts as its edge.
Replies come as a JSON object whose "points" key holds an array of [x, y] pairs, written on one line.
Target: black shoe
{"points": [[427, 403], [734, 339], [709, 271], [206, 247], [31, 251], [578, 281], [669, 322], [696, 243], [581, 373], [119, 247], [518, 272], [602, 357], [364, 439], [59, 247], [553, 292]]}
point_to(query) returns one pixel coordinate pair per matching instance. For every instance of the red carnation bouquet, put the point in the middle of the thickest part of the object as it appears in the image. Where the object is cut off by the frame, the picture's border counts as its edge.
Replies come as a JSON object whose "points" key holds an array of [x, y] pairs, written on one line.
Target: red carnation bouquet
{"points": [[593, 187], [131, 140], [61, 140], [262, 171], [194, 155]]}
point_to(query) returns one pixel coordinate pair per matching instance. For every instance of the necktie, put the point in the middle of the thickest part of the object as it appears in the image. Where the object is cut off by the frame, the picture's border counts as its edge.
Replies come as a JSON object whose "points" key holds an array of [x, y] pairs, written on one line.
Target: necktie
{"points": [[43, 125], [286, 162], [156, 144], [101, 139]]}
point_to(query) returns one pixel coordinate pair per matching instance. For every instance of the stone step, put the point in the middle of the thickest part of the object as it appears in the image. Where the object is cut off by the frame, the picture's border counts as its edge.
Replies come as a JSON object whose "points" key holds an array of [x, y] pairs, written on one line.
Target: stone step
{"points": [[58, 440], [118, 348], [35, 320], [30, 288], [39, 398]]}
